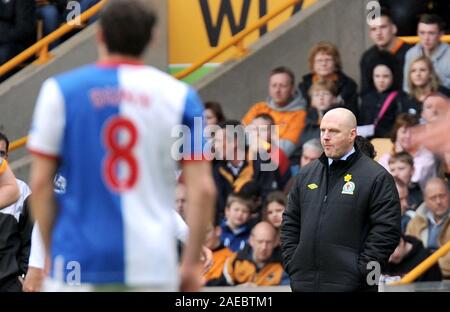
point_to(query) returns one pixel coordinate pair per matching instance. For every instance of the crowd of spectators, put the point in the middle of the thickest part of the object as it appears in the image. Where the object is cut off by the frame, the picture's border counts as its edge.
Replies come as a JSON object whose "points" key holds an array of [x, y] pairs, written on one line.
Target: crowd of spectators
{"points": [[401, 86]]}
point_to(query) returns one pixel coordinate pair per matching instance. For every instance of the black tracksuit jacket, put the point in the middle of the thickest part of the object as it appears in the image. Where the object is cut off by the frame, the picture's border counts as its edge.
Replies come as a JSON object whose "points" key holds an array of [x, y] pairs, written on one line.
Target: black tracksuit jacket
{"points": [[328, 237]]}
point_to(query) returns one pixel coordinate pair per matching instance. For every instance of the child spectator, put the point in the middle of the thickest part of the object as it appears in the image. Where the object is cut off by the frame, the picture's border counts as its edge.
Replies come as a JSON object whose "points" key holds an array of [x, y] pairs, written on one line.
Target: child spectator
{"points": [[323, 97], [273, 213], [401, 166], [235, 227]]}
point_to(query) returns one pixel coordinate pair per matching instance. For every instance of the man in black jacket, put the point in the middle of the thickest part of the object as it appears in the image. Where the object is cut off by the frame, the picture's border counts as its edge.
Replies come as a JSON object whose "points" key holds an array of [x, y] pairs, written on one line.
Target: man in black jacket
{"points": [[382, 31], [343, 213]]}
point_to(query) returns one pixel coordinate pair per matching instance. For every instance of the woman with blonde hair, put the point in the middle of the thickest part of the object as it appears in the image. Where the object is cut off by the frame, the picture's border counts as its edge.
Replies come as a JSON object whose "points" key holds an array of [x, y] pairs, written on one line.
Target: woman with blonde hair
{"points": [[422, 82]]}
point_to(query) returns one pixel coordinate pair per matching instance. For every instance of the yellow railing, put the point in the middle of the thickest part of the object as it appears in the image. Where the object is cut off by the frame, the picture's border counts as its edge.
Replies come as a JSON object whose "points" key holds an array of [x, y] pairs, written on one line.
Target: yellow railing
{"points": [[415, 39], [423, 266], [18, 143], [40, 48], [237, 40]]}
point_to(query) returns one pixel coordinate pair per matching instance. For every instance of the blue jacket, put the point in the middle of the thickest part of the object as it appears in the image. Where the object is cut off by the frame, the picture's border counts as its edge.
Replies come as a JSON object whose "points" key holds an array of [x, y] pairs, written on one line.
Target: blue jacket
{"points": [[234, 240]]}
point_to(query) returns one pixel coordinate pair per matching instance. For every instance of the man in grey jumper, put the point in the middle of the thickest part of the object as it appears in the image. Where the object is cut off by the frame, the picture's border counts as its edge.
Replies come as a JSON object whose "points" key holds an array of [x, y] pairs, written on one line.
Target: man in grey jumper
{"points": [[430, 30]]}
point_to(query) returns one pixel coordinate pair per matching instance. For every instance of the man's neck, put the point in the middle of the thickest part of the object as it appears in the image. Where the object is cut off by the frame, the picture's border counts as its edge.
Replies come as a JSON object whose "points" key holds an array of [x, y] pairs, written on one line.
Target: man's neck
{"points": [[429, 52], [437, 219], [118, 58], [259, 264], [390, 45]]}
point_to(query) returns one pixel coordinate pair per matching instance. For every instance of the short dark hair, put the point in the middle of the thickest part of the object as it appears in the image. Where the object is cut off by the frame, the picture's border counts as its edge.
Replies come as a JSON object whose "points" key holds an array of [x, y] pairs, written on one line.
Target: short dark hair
{"points": [[432, 19], [127, 26], [365, 146], [284, 70], [384, 12], [3, 137]]}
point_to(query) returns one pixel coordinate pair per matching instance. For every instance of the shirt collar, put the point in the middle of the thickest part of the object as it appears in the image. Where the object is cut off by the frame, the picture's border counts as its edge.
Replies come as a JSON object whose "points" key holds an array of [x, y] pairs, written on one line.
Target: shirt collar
{"points": [[433, 221], [330, 160]]}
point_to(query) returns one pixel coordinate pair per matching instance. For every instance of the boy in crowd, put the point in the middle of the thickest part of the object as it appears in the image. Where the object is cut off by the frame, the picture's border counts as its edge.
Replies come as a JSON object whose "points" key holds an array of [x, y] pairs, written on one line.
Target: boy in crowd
{"points": [[401, 166], [235, 227]]}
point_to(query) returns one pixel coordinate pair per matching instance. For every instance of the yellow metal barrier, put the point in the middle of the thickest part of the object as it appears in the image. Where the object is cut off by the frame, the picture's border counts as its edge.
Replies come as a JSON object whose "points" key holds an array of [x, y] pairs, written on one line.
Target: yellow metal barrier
{"points": [[423, 266], [18, 143], [40, 48], [415, 39], [237, 40]]}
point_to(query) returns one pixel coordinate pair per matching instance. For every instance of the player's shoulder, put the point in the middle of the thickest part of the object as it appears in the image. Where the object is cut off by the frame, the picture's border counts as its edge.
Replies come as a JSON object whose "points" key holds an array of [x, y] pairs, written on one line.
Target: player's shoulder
{"points": [[78, 72]]}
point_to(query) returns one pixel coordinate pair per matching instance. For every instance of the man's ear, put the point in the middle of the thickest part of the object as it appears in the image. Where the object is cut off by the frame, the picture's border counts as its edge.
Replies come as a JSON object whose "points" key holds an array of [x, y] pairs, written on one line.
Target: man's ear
{"points": [[395, 29], [353, 133]]}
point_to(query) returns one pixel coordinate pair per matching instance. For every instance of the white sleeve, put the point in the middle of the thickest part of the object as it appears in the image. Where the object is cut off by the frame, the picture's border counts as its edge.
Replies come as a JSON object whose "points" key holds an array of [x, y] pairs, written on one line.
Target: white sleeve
{"points": [[37, 252], [181, 228], [48, 120]]}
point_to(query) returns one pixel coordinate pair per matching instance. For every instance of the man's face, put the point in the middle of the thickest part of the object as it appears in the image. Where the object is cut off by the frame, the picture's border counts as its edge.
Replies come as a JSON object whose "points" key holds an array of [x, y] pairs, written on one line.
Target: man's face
{"points": [[309, 154], [437, 199], [337, 139], [434, 108], [401, 171], [429, 35], [262, 243], [3, 151], [281, 88], [382, 32]]}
